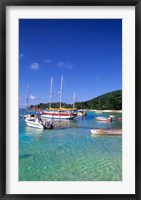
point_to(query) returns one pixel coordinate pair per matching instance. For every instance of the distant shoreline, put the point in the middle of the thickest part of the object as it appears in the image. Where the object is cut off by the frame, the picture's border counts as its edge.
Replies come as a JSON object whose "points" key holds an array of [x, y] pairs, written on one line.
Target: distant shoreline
{"points": [[98, 111], [108, 111]]}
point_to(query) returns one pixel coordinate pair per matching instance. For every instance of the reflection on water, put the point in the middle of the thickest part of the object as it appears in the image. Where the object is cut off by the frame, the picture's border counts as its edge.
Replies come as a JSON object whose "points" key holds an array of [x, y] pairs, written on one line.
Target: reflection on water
{"points": [[25, 156]]}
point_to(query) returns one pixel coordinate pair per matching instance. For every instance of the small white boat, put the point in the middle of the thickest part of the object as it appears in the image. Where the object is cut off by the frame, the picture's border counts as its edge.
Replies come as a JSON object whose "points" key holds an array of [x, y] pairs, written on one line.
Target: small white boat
{"points": [[81, 113], [113, 117], [106, 132], [38, 123], [102, 118]]}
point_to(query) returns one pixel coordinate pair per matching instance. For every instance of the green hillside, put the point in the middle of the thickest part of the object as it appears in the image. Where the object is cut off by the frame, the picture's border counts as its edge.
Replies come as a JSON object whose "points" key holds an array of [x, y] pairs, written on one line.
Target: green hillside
{"points": [[108, 101]]}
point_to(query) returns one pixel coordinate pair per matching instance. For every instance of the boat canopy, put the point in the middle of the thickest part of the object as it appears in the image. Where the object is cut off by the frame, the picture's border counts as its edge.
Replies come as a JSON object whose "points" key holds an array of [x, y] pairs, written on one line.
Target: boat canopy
{"points": [[62, 108]]}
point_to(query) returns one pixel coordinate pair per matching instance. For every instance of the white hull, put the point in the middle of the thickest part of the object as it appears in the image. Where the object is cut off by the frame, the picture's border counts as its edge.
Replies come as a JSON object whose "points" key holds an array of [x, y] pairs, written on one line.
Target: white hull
{"points": [[38, 123], [81, 113], [105, 119], [34, 125], [58, 115]]}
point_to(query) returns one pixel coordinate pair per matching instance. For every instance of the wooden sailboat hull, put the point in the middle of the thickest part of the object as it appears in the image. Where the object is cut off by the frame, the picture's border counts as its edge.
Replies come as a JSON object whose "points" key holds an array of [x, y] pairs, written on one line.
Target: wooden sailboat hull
{"points": [[58, 115]]}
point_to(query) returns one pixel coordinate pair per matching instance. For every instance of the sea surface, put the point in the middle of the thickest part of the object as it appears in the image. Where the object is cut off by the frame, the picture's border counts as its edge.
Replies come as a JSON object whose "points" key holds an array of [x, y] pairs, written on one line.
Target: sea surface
{"points": [[69, 152]]}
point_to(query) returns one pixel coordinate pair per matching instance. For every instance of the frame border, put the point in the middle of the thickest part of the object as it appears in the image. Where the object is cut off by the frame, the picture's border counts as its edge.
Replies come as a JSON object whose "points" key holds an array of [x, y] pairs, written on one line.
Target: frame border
{"points": [[3, 5]]}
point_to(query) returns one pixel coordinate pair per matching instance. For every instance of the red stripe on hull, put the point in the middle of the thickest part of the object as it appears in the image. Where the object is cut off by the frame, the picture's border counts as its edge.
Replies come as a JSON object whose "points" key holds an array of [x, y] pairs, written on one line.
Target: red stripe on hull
{"points": [[56, 114]]}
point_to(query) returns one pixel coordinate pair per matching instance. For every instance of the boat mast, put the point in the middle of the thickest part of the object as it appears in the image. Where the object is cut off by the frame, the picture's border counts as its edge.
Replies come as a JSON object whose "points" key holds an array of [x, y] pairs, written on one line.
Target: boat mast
{"points": [[61, 90], [38, 102], [51, 92], [74, 99], [27, 96]]}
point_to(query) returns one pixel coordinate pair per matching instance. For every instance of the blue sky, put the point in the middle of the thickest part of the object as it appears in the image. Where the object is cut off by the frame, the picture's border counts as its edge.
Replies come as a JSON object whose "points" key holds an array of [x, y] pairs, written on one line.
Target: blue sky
{"points": [[87, 52]]}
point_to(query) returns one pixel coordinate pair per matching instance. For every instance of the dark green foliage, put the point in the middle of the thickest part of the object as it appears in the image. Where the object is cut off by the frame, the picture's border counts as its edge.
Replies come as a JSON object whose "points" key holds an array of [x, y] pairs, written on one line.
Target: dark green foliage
{"points": [[53, 105], [108, 101]]}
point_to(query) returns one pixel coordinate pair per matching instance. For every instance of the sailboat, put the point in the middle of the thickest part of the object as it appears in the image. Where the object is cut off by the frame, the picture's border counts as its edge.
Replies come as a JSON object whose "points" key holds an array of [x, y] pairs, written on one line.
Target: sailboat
{"points": [[34, 120], [27, 106], [58, 113]]}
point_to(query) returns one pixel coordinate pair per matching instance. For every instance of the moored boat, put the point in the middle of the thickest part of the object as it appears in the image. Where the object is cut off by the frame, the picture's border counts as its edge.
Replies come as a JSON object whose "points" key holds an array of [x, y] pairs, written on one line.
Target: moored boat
{"points": [[102, 118], [113, 117], [106, 131], [81, 113], [38, 123], [58, 113]]}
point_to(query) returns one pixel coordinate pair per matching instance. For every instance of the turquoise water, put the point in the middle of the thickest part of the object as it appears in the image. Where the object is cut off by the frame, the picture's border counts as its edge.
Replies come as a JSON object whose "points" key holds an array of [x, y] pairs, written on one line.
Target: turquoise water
{"points": [[69, 152]]}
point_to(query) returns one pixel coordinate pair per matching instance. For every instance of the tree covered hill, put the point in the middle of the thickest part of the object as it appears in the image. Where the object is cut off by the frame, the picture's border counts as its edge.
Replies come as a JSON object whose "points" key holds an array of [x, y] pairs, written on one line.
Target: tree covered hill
{"points": [[108, 101]]}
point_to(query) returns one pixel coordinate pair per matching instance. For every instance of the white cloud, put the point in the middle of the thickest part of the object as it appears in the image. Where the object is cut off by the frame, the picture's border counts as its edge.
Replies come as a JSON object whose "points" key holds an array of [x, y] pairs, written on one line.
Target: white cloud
{"points": [[21, 55], [48, 60], [34, 66], [60, 64], [65, 65], [32, 97]]}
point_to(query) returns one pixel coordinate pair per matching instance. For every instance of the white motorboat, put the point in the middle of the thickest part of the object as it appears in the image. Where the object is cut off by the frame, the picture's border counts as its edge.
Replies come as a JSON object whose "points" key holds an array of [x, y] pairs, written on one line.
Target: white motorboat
{"points": [[38, 123], [81, 113]]}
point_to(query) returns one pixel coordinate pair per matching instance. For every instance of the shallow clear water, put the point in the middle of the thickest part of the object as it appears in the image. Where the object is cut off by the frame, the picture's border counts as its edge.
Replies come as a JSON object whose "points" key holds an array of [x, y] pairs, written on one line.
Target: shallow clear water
{"points": [[69, 152]]}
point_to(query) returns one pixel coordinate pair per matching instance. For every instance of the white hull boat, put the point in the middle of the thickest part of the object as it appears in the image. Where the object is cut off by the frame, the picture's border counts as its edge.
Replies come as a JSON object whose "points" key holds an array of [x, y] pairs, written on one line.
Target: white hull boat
{"points": [[81, 113], [58, 114], [105, 119], [38, 123]]}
